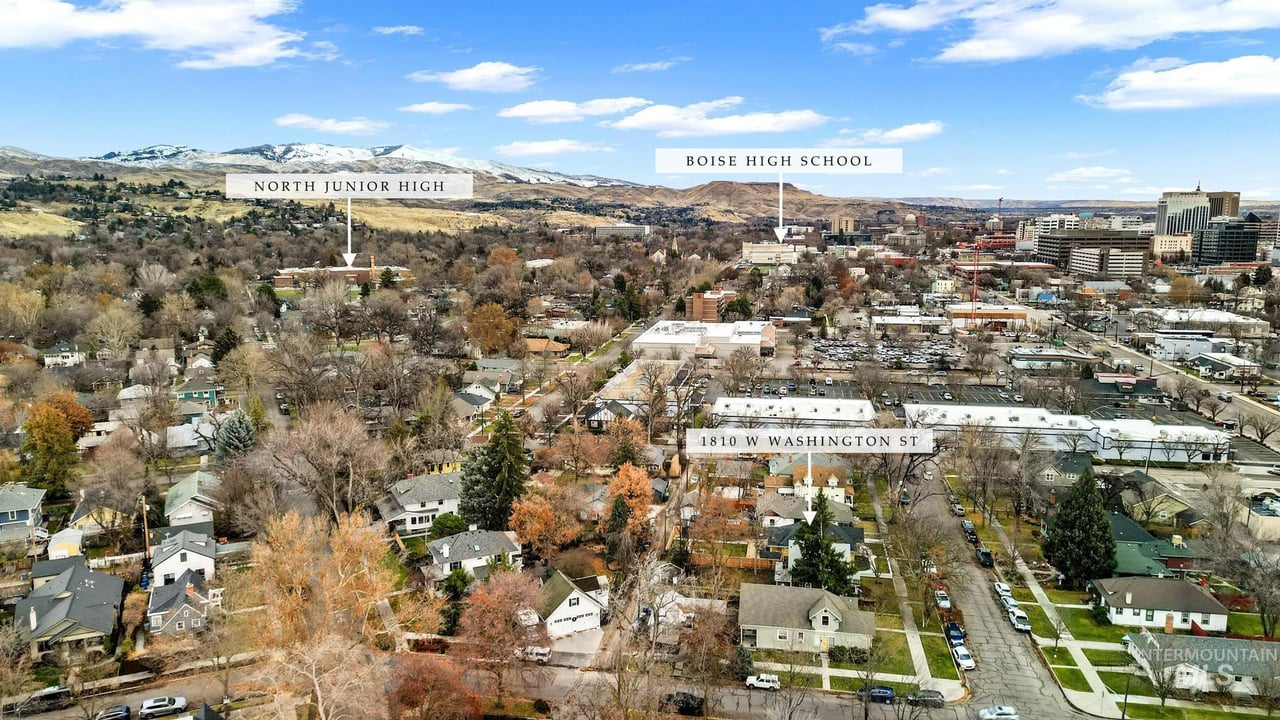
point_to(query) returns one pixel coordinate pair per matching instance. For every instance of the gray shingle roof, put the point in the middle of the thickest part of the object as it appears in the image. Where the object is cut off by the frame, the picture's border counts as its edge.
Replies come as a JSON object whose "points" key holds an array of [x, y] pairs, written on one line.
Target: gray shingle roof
{"points": [[174, 595], [471, 545], [847, 534], [88, 599], [1250, 658], [185, 540], [1149, 593], [19, 497], [784, 606], [53, 568], [195, 486], [411, 493], [793, 507]]}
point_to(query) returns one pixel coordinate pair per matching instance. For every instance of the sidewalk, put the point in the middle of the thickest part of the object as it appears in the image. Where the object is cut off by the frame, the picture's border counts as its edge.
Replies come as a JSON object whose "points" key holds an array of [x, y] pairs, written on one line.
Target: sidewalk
{"points": [[918, 657], [952, 690]]}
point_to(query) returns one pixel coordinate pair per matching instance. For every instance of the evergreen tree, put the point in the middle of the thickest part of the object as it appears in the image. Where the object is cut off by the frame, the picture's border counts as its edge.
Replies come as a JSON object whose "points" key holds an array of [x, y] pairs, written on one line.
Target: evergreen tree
{"points": [[387, 279], [820, 564], [493, 477], [1079, 542], [447, 524], [625, 452], [679, 308], [226, 341], [257, 413], [365, 289], [235, 438]]}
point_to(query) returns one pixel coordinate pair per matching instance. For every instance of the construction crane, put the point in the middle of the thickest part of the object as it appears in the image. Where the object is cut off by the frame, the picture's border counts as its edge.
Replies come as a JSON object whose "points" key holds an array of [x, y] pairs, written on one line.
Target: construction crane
{"points": [[977, 249]]}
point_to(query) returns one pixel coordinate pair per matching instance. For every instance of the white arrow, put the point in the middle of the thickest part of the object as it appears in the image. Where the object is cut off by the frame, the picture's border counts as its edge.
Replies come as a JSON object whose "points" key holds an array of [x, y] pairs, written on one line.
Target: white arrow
{"points": [[349, 256], [809, 514], [780, 231]]}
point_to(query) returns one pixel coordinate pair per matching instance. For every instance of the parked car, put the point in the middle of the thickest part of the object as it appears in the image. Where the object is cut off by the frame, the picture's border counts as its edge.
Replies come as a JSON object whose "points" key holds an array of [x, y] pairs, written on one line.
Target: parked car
{"points": [[764, 682], [905, 500], [955, 633], [972, 537], [54, 697], [118, 712], [1008, 603], [928, 474], [532, 653], [943, 600], [158, 706], [985, 559], [963, 659], [926, 698], [1002, 589], [998, 712], [967, 525], [879, 694], [957, 509], [683, 702], [1019, 620]]}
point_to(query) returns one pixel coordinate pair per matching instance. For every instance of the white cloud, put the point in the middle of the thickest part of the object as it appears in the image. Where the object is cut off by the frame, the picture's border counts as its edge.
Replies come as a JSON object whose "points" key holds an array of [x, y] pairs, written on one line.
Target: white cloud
{"points": [[1176, 85], [1003, 30], [855, 48], [694, 121], [398, 30], [354, 126], [913, 132], [934, 171], [434, 108], [1151, 191], [522, 148], [1002, 171], [488, 76], [656, 66], [1090, 173], [321, 50], [558, 111], [1259, 194], [208, 34], [1085, 155]]}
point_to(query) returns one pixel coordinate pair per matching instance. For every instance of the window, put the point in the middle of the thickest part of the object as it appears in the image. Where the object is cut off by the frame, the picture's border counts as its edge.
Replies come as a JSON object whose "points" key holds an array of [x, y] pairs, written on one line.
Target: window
{"points": [[1135, 612], [1186, 618], [1239, 678], [455, 566], [826, 620], [168, 579], [179, 626], [573, 602], [1151, 615], [1204, 618], [784, 634], [182, 556]]}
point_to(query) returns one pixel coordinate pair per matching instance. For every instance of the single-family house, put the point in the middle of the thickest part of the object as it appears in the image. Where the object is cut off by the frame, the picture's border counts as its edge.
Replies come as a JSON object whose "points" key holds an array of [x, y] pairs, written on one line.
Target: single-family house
{"points": [[1151, 501], [472, 551], [546, 348], [198, 388], [42, 571], [414, 503], [94, 513], [729, 471], [470, 406], [1203, 664], [780, 617], [64, 354], [21, 511], [1225, 366], [599, 417], [99, 434], [1065, 468], [1166, 603], [847, 541], [597, 586], [774, 510], [67, 542], [566, 608], [185, 551], [189, 500], [73, 612], [1138, 552], [183, 605]]}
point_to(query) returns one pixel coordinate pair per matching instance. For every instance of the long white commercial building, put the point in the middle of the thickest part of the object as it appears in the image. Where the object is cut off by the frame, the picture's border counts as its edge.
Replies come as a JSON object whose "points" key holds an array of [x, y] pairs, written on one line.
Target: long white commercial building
{"points": [[792, 412], [679, 339], [1134, 440]]}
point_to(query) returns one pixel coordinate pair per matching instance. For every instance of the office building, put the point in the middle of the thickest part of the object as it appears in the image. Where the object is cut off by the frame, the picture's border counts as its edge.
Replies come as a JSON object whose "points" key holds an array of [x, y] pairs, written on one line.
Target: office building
{"points": [[1124, 222], [1226, 240], [621, 230], [1056, 247], [1176, 248], [767, 253], [1108, 262], [1180, 213], [707, 306], [677, 339], [1224, 204]]}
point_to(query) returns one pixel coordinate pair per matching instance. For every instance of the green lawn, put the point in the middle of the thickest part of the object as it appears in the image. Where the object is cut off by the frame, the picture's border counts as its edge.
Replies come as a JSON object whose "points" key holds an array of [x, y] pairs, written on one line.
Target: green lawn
{"points": [[1244, 623], [391, 561], [897, 657], [1023, 595], [889, 622], [1058, 655], [939, 654], [804, 680], [1065, 597], [1071, 679], [1040, 624], [1139, 685], [849, 684], [782, 657], [881, 589], [1107, 658], [1083, 627]]}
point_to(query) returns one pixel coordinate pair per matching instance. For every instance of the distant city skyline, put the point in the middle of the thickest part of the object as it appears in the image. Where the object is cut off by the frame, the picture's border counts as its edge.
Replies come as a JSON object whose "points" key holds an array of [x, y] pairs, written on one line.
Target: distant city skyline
{"points": [[1060, 99]]}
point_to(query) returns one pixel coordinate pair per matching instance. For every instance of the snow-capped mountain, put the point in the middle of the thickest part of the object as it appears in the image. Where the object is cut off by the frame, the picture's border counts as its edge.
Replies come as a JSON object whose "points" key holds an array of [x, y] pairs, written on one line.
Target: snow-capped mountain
{"points": [[300, 157]]}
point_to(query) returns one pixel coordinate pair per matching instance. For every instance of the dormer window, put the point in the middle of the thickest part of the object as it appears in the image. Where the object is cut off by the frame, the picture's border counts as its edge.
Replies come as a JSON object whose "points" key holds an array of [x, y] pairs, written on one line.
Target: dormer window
{"points": [[826, 620]]}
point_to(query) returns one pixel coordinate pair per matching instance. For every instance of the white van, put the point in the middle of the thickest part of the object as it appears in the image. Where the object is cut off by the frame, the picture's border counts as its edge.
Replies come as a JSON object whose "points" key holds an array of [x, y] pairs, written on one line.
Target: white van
{"points": [[828, 381]]}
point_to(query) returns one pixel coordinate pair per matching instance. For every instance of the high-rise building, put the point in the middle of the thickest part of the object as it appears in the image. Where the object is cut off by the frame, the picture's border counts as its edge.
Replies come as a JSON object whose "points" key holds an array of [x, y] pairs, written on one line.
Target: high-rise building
{"points": [[1179, 213], [708, 306], [1056, 247], [1227, 240], [1124, 222], [1224, 204], [1102, 263], [843, 225]]}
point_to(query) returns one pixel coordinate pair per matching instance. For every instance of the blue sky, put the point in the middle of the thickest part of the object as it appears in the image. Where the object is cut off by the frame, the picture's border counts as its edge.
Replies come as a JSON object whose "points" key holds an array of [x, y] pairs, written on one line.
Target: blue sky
{"points": [[1032, 99]]}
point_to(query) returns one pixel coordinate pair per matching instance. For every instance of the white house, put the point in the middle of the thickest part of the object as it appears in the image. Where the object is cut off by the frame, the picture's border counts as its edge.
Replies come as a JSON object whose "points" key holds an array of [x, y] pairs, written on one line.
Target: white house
{"points": [[64, 354], [774, 510], [472, 551], [414, 503], [567, 608], [189, 501], [185, 551], [1165, 603], [778, 617], [181, 606]]}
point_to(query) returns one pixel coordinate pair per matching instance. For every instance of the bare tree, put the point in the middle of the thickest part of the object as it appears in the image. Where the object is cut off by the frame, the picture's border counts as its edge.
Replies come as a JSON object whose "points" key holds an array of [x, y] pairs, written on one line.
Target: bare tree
{"points": [[335, 676], [332, 457], [740, 369], [655, 377], [1264, 426], [15, 663], [574, 386], [1213, 406]]}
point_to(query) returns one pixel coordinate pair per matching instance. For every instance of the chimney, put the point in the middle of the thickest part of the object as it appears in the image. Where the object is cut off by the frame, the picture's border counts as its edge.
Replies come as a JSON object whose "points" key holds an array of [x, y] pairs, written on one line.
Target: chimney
{"points": [[34, 620], [191, 587], [371, 265], [444, 552], [1128, 598]]}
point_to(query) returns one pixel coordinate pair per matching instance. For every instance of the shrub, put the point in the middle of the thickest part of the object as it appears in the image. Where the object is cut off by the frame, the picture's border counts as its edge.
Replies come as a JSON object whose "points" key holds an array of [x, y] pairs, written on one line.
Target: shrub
{"points": [[542, 706], [851, 655]]}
